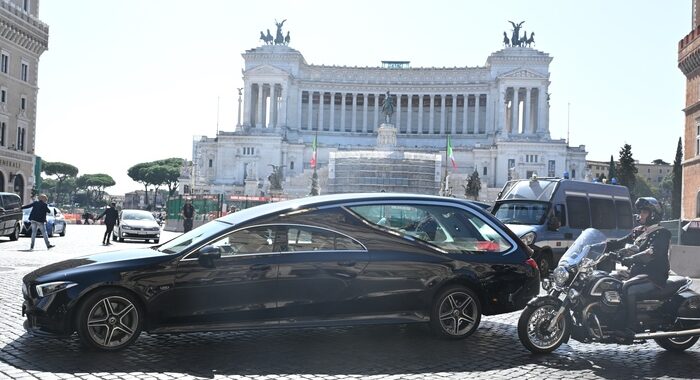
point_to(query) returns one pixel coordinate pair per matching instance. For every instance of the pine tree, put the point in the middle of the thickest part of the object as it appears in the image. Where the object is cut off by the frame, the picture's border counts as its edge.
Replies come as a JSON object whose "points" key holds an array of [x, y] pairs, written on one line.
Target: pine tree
{"points": [[611, 168], [677, 181], [315, 188], [626, 170]]}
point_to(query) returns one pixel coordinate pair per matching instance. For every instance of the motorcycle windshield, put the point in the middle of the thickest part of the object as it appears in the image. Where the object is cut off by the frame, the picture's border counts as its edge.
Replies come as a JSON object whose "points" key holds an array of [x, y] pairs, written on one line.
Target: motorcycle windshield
{"points": [[590, 244]]}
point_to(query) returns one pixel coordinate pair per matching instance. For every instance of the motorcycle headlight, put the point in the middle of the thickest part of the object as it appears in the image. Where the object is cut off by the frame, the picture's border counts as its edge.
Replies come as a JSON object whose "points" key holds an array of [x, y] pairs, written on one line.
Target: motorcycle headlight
{"points": [[561, 276], [44, 290], [528, 238]]}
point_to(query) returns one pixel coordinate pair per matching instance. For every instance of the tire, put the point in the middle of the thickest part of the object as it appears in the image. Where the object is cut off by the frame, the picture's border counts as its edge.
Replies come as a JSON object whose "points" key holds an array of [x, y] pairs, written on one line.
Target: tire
{"points": [[456, 313], [114, 237], [15, 233], [544, 263], [677, 344], [109, 320], [156, 241], [63, 232], [532, 328], [49, 231]]}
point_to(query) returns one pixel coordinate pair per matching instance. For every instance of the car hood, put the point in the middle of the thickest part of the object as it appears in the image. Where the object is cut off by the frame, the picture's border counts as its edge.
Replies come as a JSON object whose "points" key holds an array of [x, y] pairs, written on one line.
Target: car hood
{"points": [[116, 260], [140, 223], [520, 229]]}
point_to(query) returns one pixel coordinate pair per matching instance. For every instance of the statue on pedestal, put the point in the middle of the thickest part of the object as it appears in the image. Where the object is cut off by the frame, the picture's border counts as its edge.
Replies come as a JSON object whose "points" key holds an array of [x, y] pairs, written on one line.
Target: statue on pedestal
{"points": [[388, 107]]}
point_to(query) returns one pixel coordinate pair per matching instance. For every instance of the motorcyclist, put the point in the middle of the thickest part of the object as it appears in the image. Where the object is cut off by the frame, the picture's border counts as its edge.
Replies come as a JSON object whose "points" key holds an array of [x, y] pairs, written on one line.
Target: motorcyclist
{"points": [[647, 258]]}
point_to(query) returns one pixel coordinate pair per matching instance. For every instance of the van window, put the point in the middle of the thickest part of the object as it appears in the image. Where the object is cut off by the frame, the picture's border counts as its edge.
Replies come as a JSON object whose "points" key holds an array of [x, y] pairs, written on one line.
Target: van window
{"points": [[603, 213], [624, 214], [579, 216]]}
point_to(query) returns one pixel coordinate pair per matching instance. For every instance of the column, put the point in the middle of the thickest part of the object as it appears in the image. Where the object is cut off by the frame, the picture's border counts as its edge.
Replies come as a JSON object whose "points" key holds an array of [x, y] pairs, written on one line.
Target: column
{"points": [[465, 114], [515, 112], [259, 118], [420, 114], [376, 112], [310, 112], [431, 122], [266, 94], [501, 104], [331, 122], [442, 114], [453, 128], [526, 112], [299, 103], [541, 104], [273, 105], [353, 125], [409, 109], [247, 100], [282, 121], [342, 112], [477, 103], [398, 113], [365, 106], [321, 96]]}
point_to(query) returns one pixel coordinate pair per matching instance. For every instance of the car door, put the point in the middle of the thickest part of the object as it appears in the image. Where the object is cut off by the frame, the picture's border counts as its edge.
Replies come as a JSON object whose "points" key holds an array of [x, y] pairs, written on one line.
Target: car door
{"points": [[236, 289], [318, 270]]}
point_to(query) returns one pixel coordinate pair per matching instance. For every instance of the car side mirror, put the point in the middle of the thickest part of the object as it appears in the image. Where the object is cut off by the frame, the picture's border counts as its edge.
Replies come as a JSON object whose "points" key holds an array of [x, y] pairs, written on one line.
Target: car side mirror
{"points": [[208, 254]]}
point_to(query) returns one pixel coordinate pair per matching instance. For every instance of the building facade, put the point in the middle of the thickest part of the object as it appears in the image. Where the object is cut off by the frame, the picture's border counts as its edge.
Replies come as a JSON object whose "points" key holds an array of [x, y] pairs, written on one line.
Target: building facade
{"points": [[689, 63], [23, 38], [654, 174], [496, 115]]}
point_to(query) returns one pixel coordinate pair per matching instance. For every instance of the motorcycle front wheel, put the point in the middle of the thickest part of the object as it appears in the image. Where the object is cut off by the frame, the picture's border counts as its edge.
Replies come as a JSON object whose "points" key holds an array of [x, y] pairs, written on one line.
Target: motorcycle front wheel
{"points": [[533, 328]]}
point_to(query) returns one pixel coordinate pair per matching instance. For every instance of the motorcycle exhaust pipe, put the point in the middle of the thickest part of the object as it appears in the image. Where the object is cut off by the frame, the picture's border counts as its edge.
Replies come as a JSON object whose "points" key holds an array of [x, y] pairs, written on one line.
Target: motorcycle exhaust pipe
{"points": [[669, 334]]}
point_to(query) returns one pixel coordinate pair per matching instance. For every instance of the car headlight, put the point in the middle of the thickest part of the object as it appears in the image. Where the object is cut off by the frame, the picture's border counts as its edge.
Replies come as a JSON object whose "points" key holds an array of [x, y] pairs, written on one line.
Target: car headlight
{"points": [[561, 276], [528, 238], [155, 229], [44, 290], [124, 227]]}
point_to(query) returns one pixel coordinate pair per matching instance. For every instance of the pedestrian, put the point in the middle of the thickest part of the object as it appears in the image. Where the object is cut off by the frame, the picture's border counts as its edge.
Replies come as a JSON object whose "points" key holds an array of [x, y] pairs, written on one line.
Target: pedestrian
{"points": [[37, 217], [111, 218], [187, 215]]}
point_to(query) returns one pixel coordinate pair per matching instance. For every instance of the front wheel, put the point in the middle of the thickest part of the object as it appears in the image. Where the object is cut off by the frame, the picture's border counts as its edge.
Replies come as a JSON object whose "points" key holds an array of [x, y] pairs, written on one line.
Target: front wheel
{"points": [[15, 233], [109, 320], [533, 328], [677, 344], [456, 313]]}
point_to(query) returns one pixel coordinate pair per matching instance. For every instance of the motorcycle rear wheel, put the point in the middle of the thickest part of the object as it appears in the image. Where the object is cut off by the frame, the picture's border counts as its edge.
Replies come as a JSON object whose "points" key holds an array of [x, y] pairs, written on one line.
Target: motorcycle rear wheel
{"points": [[677, 344], [532, 328]]}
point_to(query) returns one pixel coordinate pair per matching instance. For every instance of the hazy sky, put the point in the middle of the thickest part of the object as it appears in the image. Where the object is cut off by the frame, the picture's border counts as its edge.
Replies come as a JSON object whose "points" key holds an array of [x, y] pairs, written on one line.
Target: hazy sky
{"points": [[128, 81]]}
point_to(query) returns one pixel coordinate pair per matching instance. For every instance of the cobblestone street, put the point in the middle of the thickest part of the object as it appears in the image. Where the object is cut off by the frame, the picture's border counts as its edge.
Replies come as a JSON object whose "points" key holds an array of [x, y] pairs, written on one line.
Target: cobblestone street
{"points": [[378, 352]]}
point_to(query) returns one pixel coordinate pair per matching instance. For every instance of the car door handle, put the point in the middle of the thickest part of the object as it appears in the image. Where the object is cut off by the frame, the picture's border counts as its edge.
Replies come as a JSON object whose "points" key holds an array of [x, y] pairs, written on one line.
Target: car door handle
{"points": [[260, 267], [347, 263]]}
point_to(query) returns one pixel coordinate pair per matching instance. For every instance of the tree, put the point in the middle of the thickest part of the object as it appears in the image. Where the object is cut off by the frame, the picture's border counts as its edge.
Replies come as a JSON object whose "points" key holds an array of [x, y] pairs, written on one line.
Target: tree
{"points": [[612, 172], [157, 173], [659, 161], [626, 169], [315, 187], [473, 186], [139, 173], [677, 181], [94, 185], [62, 171]]}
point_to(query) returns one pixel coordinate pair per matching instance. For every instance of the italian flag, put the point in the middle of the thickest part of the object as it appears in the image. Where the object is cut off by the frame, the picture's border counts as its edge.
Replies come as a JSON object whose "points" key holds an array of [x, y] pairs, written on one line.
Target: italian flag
{"points": [[313, 154], [451, 154]]}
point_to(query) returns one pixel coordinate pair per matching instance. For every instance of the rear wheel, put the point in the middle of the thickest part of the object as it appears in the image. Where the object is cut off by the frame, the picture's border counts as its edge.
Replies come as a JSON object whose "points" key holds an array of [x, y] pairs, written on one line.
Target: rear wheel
{"points": [[15, 233], [456, 313], [63, 231], [677, 344], [533, 328], [109, 320]]}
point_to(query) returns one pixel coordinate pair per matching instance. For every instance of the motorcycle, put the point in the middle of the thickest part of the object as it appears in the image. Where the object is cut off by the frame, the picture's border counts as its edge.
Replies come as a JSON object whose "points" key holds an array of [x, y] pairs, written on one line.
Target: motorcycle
{"points": [[587, 304]]}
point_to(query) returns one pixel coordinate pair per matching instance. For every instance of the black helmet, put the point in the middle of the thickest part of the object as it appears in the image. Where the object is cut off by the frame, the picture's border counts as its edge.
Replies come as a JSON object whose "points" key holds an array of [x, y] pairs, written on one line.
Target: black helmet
{"points": [[653, 206]]}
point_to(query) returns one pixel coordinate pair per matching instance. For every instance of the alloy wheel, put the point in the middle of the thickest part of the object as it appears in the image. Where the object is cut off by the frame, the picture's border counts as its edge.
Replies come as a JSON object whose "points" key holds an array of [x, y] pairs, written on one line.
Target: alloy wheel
{"points": [[112, 321], [458, 313]]}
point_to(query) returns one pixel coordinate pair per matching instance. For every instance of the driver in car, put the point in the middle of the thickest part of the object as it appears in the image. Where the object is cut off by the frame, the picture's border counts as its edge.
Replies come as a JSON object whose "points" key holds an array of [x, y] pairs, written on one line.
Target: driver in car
{"points": [[647, 258]]}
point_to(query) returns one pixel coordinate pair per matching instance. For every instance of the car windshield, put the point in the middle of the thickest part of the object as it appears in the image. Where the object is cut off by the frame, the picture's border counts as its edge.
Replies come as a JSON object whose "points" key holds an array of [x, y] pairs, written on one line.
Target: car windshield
{"points": [[193, 237], [133, 215], [28, 211], [521, 212], [590, 244]]}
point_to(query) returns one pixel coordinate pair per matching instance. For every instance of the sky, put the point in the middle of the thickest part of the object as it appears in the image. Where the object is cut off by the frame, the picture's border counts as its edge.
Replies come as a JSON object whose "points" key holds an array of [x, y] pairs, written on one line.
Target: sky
{"points": [[130, 81]]}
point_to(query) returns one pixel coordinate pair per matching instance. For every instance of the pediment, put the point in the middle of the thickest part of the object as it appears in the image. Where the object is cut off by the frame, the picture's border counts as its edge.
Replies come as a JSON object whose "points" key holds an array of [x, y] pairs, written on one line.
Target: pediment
{"points": [[523, 73], [267, 70]]}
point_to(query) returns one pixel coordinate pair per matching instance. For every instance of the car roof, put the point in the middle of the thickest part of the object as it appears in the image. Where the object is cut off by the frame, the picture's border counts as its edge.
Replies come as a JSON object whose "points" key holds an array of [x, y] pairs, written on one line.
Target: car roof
{"points": [[331, 199]]}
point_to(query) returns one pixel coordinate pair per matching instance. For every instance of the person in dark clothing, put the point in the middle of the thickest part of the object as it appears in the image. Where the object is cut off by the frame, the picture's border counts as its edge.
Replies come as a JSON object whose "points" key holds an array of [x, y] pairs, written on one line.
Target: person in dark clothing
{"points": [[188, 215], [37, 217], [647, 258], [111, 218]]}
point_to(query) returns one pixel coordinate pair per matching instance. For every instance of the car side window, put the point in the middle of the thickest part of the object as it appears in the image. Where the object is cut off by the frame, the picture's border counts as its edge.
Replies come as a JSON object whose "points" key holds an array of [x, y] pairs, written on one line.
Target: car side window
{"points": [[258, 239], [448, 228], [309, 238]]}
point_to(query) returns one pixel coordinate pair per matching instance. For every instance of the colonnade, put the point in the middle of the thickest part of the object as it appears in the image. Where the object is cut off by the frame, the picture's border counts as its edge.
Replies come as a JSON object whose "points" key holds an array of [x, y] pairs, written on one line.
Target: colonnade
{"points": [[524, 110]]}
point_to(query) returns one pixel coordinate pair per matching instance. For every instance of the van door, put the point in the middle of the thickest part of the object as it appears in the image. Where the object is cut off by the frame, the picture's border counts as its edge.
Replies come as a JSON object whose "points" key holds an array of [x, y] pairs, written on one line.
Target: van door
{"points": [[578, 218]]}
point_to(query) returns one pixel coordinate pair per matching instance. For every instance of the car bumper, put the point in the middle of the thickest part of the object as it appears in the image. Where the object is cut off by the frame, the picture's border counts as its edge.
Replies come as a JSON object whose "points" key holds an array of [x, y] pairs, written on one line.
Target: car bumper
{"points": [[46, 320], [140, 235]]}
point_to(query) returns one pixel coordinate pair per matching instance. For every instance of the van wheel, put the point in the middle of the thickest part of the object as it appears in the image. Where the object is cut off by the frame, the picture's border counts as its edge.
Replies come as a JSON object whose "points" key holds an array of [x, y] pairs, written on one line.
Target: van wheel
{"points": [[544, 263]]}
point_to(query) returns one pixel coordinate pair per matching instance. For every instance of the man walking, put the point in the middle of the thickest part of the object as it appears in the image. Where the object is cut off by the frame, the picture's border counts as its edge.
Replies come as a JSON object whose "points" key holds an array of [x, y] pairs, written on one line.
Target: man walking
{"points": [[37, 217], [111, 218], [187, 215]]}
